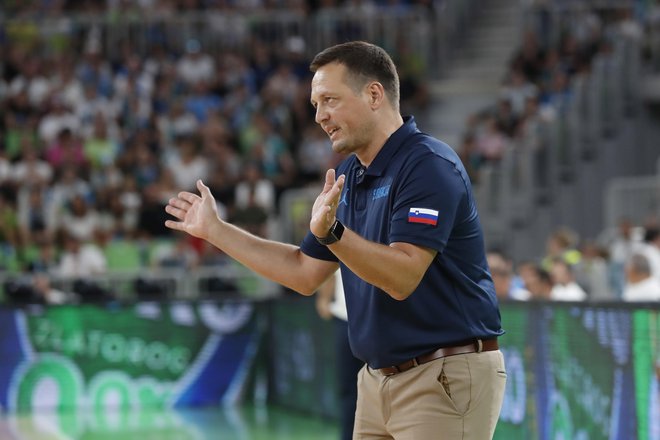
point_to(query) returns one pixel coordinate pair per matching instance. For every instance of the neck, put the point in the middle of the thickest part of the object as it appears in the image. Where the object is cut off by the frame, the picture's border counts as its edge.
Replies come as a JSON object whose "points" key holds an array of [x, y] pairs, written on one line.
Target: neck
{"points": [[387, 124]]}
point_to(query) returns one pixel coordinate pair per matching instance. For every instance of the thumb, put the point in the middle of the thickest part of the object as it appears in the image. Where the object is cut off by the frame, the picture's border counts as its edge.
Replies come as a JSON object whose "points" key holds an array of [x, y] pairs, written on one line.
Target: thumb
{"points": [[204, 190]]}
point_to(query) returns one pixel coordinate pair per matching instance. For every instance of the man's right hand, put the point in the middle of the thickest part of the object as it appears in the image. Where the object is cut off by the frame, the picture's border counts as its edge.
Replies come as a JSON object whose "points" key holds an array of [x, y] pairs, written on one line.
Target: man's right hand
{"points": [[196, 213]]}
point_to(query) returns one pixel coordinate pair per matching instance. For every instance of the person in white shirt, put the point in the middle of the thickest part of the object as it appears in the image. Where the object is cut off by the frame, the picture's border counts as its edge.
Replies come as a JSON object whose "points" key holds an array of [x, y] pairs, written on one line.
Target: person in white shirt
{"points": [[331, 304], [565, 287], [80, 260], [640, 285]]}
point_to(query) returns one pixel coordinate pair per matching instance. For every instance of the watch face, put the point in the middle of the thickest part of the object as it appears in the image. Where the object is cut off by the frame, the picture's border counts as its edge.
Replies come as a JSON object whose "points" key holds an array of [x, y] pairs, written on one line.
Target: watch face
{"points": [[335, 233]]}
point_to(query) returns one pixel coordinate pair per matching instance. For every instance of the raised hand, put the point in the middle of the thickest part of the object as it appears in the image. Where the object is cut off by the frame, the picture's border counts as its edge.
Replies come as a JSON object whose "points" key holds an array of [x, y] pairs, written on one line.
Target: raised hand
{"points": [[325, 205], [196, 213]]}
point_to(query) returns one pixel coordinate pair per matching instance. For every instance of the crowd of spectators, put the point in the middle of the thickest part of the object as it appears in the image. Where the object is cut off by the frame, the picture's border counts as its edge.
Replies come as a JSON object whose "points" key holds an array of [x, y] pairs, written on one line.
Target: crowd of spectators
{"points": [[620, 264], [92, 145], [538, 86], [537, 89]]}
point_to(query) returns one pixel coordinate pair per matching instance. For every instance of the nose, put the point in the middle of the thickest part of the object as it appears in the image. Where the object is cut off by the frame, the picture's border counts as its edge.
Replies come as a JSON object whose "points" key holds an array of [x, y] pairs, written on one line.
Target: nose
{"points": [[321, 115]]}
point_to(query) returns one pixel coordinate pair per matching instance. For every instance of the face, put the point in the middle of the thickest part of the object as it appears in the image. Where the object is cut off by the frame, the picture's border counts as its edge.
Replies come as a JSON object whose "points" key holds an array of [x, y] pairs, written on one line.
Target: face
{"points": [[343, 114]]}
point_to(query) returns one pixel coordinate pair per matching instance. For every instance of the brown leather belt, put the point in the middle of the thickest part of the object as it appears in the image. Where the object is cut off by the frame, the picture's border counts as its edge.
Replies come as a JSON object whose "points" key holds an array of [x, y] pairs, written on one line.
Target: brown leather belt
{"points": [[476, 347]]}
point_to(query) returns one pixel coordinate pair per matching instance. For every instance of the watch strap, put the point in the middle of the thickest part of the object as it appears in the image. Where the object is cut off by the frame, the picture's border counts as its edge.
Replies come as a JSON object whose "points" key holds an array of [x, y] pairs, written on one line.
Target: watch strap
{"points": [[334, 234]]}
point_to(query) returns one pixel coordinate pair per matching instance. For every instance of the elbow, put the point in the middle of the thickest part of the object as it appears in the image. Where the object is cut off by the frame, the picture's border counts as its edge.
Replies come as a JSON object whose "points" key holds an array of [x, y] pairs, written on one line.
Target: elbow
{"points": [[306, 289], [401, 293]]}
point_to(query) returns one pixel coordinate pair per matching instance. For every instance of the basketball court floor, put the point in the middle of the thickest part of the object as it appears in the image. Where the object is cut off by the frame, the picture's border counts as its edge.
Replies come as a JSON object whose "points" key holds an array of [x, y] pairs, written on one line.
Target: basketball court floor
{"points": [[217, 423]]}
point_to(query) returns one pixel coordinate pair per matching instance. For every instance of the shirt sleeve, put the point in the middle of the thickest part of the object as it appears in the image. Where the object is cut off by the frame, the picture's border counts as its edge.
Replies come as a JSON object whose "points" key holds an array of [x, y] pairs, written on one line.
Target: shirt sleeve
{"points": [[428, 200]]}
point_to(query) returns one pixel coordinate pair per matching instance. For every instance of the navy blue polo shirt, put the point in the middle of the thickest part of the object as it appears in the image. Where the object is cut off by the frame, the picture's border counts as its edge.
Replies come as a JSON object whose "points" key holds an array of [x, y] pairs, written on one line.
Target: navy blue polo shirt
{"points": [[415, 191]]}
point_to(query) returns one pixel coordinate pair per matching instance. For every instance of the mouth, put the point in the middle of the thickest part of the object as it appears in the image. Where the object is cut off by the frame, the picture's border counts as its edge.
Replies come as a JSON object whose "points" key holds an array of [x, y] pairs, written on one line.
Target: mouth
{"points": [[332, 131]]}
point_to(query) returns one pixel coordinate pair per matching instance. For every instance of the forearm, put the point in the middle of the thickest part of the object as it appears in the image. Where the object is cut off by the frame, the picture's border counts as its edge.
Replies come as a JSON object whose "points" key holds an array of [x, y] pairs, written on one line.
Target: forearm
{"points": [[393, 269], [280, 262]]}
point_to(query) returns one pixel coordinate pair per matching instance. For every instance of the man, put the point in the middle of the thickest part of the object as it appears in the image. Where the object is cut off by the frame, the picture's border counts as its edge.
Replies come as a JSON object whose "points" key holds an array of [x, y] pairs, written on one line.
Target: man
{"points": [[401, 223], [640, 285], [565, 287]]}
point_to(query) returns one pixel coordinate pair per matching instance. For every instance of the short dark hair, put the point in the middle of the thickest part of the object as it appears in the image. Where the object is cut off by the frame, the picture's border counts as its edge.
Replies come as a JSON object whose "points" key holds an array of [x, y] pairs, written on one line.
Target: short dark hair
{"points": [[364, 62]]}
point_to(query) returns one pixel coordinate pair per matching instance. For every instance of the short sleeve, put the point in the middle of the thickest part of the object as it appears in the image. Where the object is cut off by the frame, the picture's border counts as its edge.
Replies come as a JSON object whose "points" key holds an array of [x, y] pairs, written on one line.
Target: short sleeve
{"points": [[427, 202]]}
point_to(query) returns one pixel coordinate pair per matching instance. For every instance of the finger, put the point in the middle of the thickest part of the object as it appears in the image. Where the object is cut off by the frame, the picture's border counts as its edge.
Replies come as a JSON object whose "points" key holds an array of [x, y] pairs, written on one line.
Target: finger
{"points": [[189, 197], [176, 212], [177, 226], [329, 180], [333, 195], [180, 203], [341, 180]]}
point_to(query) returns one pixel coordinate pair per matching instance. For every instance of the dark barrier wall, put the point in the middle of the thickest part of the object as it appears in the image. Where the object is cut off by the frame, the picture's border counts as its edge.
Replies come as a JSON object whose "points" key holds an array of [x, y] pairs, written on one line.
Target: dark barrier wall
{"points": [[574, 371]]}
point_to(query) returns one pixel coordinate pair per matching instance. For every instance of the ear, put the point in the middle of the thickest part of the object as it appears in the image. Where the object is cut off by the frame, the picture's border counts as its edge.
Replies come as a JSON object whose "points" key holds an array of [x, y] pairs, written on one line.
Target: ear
{"points": [[376, 94]]}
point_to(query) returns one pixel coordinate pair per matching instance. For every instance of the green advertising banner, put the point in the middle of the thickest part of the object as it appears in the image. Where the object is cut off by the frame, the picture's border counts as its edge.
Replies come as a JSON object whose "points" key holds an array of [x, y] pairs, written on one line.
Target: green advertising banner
{"points": [[585, 395], [646, 348], [150, 355], [517, 415]]}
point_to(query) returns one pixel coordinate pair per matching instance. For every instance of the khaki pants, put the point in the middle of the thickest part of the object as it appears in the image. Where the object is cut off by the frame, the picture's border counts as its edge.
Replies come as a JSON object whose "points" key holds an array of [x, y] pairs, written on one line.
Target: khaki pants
{"points": [[456, 397]]}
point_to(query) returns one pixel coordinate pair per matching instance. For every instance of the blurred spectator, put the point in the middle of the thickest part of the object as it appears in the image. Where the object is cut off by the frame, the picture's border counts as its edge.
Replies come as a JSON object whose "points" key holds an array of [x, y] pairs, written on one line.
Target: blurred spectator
{"points": [[517, 91], [640, 285], [314, 154], [501, 268], [33, 213], [80, 260], [9, 225], [255, 190], [176, 253], [591, 273], [561, 244], [260, 142], [651, 249], [565, 288], [100, 147], [43, 288], [491, 142], [66, 150], [56, 121], [46, 260], [31, 80], [30, 169], [80, 219], [621, 244], [537, 281], [187, 165], [68, 185], [195, 66]]}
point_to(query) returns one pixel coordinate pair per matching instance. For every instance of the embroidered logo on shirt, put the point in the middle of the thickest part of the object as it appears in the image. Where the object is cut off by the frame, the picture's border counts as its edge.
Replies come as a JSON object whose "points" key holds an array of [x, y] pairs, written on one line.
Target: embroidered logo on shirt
{"points": [[423, 215], [381, 192], [344, 198]]}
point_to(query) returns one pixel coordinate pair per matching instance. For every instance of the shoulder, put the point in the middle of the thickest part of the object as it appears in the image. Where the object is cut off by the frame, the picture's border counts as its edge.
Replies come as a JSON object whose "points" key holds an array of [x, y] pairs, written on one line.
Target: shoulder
{"points": [[422, 146]]}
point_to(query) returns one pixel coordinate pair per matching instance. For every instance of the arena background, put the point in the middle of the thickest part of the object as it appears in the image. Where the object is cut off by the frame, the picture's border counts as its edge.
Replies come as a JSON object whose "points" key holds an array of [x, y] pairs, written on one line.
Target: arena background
{"points": [[112, 326]]}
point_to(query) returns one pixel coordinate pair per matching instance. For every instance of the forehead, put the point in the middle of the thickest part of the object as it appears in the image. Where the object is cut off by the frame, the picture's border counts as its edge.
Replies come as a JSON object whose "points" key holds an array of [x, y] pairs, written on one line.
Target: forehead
{"points": [[329, 79]]}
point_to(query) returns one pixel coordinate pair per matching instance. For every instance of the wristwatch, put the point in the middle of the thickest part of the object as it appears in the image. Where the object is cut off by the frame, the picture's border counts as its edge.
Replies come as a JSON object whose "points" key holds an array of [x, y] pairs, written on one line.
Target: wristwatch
{"points": [[334, 234]]}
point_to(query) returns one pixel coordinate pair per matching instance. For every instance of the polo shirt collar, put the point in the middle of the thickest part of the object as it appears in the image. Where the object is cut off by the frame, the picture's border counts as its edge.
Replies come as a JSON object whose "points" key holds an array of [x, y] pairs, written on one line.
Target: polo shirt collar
{"points": [[395, 141]]}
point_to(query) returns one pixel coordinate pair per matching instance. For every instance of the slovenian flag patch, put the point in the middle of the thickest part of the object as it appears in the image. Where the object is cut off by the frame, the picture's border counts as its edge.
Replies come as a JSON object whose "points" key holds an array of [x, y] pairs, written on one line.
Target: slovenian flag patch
{"points": [[423, 215]]}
